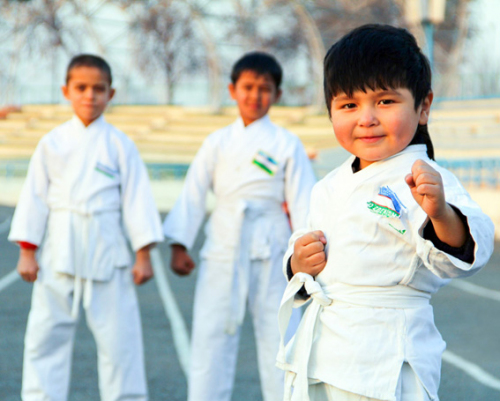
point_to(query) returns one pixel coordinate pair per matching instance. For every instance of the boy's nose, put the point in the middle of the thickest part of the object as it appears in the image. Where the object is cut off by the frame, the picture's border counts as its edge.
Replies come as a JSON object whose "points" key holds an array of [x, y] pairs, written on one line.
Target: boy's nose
{"points": [[255, 94], [89, 93], [367, 118]]}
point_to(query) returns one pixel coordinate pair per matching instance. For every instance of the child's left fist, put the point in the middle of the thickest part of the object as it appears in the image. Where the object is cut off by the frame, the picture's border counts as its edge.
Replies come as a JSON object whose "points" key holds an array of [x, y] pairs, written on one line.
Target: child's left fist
{"points": [[426, 187], [142, 271]]}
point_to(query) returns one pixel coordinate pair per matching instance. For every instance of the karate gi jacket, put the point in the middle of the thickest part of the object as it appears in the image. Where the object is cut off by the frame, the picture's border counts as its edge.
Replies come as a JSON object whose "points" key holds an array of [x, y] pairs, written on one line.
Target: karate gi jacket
{"points": [[370, 308], [251, 170], [86, 191]]}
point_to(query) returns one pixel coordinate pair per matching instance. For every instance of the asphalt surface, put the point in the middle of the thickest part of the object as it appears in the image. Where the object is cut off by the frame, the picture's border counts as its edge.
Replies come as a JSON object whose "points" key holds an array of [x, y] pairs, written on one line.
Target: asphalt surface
{"points": [[470, 325]]}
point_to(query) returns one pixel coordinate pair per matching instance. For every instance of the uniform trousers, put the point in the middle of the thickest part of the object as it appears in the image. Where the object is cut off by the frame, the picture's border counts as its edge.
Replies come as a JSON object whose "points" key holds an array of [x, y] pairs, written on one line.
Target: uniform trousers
{"points": [[409, 388], [113, 318], [214, 352]]}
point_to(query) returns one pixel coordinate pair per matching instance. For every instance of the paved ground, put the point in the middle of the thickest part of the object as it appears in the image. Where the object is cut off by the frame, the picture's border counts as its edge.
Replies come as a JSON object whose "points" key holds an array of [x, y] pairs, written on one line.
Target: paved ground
{"points": [[469, 324]]}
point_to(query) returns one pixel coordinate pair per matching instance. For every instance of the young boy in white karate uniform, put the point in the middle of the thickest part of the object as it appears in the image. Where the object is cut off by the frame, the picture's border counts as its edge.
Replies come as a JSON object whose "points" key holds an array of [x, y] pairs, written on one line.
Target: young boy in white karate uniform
{"points": [[386, 230], [86, 191], [252, 166]]}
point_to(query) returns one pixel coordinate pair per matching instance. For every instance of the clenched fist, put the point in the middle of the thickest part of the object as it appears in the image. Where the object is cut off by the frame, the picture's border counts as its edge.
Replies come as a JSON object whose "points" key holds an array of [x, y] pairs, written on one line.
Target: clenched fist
{"points": [[427, 188], [309, 253], [181, 262], [27, 266]]}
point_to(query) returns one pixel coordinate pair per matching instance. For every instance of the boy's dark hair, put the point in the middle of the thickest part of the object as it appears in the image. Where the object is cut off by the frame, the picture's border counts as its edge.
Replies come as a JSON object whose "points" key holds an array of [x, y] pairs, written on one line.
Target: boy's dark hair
{"points": [[259, 62], [379, 57], [89, 60]]}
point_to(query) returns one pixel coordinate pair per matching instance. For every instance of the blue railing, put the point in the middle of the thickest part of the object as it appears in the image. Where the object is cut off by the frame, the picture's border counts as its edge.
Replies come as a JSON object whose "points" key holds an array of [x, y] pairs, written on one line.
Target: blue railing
{"points": [[478, 172], [483, 172], [157, 171]]}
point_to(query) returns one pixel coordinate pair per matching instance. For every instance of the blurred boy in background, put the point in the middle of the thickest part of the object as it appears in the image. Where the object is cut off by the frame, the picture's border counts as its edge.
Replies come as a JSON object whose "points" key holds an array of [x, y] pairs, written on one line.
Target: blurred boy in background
{"points": [[87, 189], [252, 166]]}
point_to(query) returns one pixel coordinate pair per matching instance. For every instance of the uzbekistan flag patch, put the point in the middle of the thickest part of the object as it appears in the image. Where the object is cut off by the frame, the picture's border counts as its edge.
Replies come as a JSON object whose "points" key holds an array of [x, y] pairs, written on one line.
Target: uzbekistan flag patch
{"points": [[107, 171], [265, 162]]}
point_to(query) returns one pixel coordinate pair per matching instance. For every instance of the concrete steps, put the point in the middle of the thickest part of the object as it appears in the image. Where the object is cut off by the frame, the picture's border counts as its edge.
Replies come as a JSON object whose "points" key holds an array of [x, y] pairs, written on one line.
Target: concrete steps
{"points": [[173, 134]]}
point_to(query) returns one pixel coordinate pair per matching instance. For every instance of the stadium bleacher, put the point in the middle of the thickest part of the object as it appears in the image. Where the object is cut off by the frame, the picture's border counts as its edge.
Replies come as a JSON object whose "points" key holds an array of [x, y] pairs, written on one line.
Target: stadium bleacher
{"points": [[171, 135]]}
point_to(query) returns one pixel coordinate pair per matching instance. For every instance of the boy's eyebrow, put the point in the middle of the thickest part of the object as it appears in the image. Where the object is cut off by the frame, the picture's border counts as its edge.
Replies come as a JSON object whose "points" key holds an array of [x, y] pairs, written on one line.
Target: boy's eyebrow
{"points": [[341, 97], [383, 92]]}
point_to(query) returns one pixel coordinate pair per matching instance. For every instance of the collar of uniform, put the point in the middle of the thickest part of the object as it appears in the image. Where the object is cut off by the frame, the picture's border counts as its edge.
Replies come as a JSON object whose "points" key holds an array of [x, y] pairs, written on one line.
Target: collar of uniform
{"points": [[407, 150], [78, 123], [354, 178], [257, 124], [80, 131]]}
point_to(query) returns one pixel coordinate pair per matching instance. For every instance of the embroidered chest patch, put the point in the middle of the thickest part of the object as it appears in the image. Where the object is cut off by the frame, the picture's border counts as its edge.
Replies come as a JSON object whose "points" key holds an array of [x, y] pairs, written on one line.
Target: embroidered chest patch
{"points": [[107, 171], [265, 162], [387, 204]]}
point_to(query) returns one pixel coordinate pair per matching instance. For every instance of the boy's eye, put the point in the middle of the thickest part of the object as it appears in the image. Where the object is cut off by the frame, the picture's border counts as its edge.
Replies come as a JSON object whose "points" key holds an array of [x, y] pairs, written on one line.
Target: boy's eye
{"points": [[349, 106], [386, 101]]}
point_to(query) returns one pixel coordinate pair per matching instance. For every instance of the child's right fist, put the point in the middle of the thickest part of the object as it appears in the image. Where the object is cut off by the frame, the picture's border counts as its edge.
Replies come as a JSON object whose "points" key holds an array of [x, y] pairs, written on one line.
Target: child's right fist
{"points": [[309, 253], [27, 267], [181, 262]]}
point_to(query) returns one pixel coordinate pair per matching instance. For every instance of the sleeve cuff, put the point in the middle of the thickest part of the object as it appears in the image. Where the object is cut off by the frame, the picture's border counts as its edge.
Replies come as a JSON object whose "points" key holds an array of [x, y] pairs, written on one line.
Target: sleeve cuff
{"points": [[27, 245], [465, 253], [302, 293]]}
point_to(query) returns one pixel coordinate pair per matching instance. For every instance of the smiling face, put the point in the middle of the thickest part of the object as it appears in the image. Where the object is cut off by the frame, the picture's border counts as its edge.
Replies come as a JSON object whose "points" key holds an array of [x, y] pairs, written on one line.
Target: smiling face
{"points": [[89, 92], [377, 124], [254, 94]]}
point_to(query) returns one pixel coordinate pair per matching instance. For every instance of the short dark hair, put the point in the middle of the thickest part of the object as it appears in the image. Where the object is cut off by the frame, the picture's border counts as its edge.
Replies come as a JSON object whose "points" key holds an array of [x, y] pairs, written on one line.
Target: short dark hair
{"points": [[89, 60], [259, 62], [378, 57]]}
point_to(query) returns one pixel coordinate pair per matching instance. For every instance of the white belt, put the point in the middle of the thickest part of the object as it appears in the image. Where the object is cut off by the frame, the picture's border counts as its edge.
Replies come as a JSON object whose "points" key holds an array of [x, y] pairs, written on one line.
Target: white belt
{"points": [[395, 297], [79, 289], [251, 210]]}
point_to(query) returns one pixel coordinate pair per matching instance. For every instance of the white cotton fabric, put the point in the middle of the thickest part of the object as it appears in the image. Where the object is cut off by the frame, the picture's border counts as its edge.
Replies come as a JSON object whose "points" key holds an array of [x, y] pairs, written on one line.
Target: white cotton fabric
{"points": [[248, 230], [408, 388], [86, 193], [113, 318], [379, 281]]}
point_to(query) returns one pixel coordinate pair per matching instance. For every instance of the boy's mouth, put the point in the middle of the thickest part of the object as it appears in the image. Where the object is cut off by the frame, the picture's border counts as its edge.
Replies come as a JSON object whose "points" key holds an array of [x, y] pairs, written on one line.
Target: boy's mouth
{"points": [[371, 139]]}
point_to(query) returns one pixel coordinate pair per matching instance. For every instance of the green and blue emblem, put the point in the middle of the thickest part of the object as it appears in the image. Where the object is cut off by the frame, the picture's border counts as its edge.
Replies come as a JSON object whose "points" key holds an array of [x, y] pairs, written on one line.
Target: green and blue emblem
{"points": [[107, 171], [387, 204], [265, 162]]}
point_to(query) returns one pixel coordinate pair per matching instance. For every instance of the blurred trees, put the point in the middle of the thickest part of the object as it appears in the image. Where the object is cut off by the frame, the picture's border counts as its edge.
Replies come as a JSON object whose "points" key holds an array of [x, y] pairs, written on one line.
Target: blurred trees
{"points": [[173, 41], [163, 39]]}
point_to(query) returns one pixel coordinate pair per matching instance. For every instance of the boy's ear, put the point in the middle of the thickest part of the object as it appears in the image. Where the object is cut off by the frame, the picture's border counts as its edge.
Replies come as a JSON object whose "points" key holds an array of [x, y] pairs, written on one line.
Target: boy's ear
{"points": [[64, 90], [426, 109], [232, 90], [112, 92]]}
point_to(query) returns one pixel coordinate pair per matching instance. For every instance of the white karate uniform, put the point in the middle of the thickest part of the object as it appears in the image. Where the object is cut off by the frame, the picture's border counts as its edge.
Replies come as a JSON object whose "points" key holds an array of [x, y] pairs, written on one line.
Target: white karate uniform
{"points": [[252, 170], [370, 308], [86, 189]]}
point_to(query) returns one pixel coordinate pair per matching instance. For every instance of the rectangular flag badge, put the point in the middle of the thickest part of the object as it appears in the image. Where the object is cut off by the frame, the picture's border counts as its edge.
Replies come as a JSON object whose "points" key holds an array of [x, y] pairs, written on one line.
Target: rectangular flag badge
{"points": [[265, 162], [107, 171]]}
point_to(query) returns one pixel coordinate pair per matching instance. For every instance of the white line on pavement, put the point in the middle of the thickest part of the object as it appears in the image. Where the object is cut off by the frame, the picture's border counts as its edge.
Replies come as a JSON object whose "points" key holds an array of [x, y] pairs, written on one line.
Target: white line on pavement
{"points": [[179, 330], [472, 370], [475, 289], [8, 279], [5, 225]]}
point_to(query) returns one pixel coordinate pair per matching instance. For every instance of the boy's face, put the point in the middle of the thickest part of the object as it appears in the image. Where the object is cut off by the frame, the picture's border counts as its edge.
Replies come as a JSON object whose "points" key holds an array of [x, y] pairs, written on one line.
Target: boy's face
{"points": [[89, 92], [377, 124], [254, 94]]}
